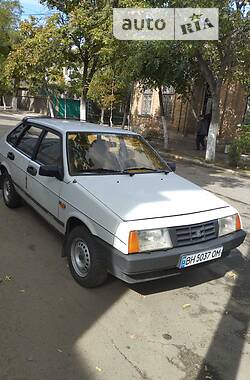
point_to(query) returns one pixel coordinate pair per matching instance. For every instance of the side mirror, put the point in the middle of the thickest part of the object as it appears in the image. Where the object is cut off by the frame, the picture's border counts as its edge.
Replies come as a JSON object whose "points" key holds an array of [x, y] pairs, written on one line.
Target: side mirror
{"points": [[51, 171], [172, 166]]}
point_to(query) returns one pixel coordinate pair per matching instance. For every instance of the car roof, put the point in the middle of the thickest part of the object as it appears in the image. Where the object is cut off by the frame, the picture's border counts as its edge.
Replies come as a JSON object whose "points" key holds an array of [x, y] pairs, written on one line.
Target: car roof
{"points": [[65, 126]]}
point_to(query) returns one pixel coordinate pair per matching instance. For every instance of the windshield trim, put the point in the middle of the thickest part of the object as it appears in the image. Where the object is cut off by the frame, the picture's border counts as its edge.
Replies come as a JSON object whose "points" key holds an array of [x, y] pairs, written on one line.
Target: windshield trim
{"points": [[85, 173]]}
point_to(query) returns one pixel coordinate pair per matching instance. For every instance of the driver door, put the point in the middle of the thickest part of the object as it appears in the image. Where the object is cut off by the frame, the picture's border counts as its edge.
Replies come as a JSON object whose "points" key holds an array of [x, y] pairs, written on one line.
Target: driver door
{"points": [[45, 191]]}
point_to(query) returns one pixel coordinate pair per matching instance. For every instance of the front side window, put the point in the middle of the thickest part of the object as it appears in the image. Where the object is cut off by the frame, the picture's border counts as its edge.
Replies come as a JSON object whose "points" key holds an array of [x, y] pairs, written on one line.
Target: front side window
{"points": [[29, 140], [110, 152], [49, 151], [14, 135]]}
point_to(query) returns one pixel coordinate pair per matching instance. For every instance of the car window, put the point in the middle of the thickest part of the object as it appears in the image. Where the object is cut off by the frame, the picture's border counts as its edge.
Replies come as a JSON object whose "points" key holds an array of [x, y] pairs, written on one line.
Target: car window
{"points": [[29, 140], [14, 135], [49, 152], [117, 152]]}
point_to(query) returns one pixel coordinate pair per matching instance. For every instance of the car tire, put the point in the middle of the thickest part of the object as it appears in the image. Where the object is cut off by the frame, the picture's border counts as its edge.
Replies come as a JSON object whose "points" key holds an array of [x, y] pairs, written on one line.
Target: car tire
{"points": [[10, 196], [86, 263]]}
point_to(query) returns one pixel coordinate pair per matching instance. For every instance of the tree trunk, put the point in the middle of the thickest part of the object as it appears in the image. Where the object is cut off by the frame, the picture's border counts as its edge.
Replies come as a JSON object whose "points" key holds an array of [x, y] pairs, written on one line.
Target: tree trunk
{"points": [[15, 94], [163, 119], [14, 103], [126, 110], [51, 108], [111, 116], [4, 103], [83, 107], [213, 128], [102, 115], [31, 105]]}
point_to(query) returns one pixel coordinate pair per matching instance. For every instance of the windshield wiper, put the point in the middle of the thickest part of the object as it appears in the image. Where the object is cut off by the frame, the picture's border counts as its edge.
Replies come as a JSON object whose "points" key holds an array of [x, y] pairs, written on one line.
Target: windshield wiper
{"points": [[104, 170], [135, 169], [129, 171]]}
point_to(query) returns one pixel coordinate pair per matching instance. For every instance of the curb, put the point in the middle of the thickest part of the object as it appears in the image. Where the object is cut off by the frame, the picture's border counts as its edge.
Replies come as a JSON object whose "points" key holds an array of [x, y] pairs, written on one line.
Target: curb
{"points": [[198, 162]]}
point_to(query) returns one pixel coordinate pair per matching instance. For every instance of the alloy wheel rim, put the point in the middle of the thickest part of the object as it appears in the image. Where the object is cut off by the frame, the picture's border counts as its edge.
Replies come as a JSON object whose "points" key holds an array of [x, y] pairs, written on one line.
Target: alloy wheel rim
{"points": [[80, 257]]}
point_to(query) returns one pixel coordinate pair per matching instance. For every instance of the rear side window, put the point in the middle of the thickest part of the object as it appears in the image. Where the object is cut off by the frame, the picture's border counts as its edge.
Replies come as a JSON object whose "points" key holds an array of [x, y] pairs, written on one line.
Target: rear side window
{"points": [[29, 140], [49, 152], [14, 135]]}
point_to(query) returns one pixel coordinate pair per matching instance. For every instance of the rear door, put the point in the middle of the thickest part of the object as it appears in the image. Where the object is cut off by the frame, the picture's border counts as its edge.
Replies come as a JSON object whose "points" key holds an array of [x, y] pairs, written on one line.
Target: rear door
{"points": [[45, 191], [21, 145]]}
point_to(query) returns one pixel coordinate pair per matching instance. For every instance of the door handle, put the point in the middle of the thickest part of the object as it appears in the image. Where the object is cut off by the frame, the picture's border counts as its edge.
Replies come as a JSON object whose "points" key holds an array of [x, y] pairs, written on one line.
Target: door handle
{"points": [[31, 170], [11, 156]]}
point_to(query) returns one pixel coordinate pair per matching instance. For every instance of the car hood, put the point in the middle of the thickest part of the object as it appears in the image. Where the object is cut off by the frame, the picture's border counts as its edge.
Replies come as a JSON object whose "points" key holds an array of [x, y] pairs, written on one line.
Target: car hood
{"points": [[150, 195]]}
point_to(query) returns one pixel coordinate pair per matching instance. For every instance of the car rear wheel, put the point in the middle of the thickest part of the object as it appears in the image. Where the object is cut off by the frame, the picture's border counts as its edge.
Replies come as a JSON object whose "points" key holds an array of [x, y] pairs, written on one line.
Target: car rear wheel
{"points": [[10, 196], [86, 264]]}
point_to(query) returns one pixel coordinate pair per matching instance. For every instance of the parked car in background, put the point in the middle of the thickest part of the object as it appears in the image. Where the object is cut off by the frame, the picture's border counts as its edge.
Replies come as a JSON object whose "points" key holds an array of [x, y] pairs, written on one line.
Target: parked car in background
{"points": [[119, 205]]}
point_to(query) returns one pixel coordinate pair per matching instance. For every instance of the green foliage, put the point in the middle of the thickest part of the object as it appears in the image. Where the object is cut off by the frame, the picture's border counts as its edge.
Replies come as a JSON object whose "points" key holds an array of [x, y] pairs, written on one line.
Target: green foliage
{"points": [[243, 139], [37, 57], [10, 11], [234, 154], [240, 145], [228, 58], [104, 88], [165, 63]]}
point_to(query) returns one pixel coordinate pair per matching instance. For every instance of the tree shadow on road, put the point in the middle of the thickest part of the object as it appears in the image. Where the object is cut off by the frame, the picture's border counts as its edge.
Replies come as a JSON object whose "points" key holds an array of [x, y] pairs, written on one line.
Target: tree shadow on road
{"points": [[44, 313], [224, 355]]}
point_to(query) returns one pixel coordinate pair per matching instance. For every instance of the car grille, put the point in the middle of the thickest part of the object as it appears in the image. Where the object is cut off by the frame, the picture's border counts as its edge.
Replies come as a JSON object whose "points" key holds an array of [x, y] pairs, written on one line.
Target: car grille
{"points": [[195, 233]]}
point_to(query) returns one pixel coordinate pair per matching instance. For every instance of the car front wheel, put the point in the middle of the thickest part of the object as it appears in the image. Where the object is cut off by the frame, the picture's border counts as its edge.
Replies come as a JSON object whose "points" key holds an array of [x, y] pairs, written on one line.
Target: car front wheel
{"points": [[86, 263], [10, 196]]}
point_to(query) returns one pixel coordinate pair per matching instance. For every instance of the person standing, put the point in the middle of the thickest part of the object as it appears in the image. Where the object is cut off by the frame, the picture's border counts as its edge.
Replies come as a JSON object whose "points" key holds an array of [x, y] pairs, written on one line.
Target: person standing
{"points": [[202, 131]]}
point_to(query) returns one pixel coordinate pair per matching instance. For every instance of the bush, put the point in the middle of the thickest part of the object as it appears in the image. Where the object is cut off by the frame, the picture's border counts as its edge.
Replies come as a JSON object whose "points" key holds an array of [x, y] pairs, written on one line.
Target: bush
{"points": [[240, 145], [234, 154], [244, 142]]}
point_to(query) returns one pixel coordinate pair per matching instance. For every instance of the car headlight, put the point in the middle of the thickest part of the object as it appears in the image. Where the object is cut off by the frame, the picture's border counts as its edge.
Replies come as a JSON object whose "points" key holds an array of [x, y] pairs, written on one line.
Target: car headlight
{"points": [[229, 224], [149, 240]]}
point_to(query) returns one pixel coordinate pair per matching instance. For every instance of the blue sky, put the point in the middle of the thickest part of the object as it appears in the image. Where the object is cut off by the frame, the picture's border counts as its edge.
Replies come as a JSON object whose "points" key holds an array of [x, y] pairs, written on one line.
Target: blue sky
{"points": [[33, 7]]}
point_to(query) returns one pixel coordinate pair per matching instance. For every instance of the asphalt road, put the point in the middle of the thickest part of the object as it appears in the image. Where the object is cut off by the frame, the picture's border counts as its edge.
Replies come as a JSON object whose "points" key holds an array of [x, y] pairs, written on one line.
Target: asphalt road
{"points": [[194, 327]]}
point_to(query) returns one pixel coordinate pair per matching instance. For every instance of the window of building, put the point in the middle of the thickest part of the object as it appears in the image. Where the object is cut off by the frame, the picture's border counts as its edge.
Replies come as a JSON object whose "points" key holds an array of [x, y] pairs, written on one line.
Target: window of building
{"points": [[146, 102], [247, 113], [168, 100]]}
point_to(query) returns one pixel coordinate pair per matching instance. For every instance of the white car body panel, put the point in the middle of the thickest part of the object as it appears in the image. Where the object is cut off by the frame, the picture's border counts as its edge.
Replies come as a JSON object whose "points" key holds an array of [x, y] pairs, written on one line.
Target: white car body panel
{"points": [[124, 228], [17, 168], [44, 190], [149, 195]]}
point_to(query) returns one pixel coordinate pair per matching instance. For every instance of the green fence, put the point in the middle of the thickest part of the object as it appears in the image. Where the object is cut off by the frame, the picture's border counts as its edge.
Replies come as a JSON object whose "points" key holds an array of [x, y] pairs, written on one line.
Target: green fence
{"points": [[67, 108]]}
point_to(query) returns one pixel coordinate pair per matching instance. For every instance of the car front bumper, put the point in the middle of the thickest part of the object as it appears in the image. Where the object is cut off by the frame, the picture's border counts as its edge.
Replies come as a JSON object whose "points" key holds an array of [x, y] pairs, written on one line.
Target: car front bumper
{"points": [[159, 264]]}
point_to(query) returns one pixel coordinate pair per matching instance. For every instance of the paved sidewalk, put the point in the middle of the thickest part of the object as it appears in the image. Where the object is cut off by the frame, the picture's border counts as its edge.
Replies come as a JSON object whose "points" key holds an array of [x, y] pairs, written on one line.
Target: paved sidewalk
{"points": [[183, 148]]}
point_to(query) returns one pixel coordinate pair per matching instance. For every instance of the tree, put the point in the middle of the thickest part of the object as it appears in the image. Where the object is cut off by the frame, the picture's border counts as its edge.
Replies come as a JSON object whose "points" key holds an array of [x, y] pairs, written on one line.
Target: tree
{"points": [[163, 64], [219, 61], [37, 58], [87, 32], [10, 11], [103, 90]]}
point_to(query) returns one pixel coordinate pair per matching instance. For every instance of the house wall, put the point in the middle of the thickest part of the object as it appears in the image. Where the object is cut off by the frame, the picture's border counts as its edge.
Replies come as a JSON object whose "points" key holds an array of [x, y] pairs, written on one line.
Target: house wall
{"points": [[184, 115], [233, 102]]}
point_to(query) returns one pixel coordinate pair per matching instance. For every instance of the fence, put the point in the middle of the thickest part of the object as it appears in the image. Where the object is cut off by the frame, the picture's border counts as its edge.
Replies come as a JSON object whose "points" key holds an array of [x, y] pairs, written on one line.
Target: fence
{"points": [[65, 108]]}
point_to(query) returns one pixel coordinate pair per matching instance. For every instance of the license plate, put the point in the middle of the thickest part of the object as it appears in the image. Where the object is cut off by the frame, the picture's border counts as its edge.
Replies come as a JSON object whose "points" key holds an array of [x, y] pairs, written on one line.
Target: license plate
{"points": [[201, 257]]}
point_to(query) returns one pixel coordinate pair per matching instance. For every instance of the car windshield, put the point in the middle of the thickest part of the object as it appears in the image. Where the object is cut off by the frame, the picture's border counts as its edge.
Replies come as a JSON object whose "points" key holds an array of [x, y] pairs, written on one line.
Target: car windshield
{"points": [[111, 153]]}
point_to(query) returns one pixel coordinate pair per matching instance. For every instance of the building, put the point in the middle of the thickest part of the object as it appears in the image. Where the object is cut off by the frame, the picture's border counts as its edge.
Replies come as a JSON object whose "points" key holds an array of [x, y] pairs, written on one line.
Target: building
{"points": [[182, 115]]}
